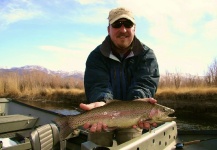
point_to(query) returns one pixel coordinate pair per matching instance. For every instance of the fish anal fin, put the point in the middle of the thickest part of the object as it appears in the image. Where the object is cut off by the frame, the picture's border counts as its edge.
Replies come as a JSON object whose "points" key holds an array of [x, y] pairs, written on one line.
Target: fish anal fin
{"points": [[65, 130], [109, 129]]}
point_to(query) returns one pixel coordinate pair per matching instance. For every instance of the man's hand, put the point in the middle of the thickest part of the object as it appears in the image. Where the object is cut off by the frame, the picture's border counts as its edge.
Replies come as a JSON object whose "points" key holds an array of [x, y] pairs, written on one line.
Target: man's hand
{"points": [[96, 127], [150, 100], [144, 124], [91, 105]]}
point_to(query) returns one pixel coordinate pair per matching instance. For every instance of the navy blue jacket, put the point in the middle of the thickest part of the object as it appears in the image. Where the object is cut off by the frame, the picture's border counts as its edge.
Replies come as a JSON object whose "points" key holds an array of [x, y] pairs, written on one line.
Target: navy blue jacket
{"points": [[106, 77]]}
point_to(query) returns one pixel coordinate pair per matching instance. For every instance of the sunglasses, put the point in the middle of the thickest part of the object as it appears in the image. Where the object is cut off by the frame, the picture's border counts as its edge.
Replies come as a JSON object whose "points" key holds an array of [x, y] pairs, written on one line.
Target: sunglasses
{"points": [[118, 24]]}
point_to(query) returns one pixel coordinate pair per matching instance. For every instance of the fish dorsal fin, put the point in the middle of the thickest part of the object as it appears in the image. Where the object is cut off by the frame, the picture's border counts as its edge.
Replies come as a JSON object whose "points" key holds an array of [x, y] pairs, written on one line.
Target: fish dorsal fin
{"points": [[112, 101]]}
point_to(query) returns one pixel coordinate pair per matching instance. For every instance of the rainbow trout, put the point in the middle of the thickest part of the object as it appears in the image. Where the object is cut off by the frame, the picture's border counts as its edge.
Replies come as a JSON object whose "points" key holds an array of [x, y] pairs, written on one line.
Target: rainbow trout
{"points": [[116, 114]]}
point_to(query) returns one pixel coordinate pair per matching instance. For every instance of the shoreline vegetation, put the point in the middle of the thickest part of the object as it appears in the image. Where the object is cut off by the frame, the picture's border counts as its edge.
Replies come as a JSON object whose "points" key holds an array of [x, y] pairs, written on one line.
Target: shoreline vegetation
{"points": [[35, 85]]}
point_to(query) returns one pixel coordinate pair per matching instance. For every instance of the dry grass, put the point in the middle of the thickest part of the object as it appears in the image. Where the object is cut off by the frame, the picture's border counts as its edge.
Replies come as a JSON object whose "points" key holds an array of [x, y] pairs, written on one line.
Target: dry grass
{"points": [[39, 86], [193, 90], [36, 85], [187, 93]]}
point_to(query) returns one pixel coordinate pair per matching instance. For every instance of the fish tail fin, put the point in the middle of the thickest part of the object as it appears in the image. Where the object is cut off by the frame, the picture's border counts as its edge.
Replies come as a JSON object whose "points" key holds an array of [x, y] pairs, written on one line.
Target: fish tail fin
{"points": [[64, 128]]}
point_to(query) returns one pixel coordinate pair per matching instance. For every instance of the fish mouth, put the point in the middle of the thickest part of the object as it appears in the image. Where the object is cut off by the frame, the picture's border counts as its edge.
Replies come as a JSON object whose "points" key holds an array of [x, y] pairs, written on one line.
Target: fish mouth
{"points": [[168, 119], [161, 119], [165, 119], [169, 114]]}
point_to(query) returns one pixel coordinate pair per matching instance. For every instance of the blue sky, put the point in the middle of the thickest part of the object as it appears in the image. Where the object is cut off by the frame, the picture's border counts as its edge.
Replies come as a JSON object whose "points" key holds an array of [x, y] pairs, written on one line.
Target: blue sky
{"points": [[59, 34]]}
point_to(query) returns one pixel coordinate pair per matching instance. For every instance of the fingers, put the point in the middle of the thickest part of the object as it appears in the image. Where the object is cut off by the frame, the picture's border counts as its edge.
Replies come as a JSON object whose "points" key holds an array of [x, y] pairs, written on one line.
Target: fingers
{"points": [[86, 106], [99, 127], [104, 126], [86, 125], [150, 100], [96, 127], [99, 104], [93, 128], [154, 124], [146, 125], [91, 105]]}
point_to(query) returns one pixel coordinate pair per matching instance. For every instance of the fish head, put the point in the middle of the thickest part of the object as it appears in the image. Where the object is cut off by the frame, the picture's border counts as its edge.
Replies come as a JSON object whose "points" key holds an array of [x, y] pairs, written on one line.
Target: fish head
{"points": [[160, 114]]}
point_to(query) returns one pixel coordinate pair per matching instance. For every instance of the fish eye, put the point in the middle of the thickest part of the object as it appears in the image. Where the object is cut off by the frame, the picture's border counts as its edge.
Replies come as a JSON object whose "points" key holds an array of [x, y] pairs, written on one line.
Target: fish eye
{"points": [[164, 109]]}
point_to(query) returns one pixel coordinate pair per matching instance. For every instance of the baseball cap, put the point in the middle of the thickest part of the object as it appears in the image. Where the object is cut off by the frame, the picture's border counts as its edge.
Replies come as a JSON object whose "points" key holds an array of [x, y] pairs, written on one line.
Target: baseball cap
{"points": [[119, 13]]}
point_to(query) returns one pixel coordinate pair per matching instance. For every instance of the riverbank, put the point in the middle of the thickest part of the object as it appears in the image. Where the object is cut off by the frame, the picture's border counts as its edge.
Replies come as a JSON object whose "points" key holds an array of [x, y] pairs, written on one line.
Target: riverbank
{"points": [[195, 100]]}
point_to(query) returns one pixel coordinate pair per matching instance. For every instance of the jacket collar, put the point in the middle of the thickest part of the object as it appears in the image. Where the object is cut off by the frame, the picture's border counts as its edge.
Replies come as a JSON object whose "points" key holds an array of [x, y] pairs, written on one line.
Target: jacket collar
{"points": [[106, 47]]}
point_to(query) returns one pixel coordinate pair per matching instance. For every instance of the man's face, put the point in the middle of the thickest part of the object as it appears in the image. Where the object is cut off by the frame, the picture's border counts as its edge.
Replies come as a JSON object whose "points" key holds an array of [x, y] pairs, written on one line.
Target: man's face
{"points": [[121, 35]]}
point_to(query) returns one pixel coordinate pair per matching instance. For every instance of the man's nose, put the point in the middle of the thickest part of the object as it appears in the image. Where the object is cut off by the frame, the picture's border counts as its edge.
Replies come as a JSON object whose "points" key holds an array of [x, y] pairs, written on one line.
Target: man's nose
{"points": [[123, 28]]}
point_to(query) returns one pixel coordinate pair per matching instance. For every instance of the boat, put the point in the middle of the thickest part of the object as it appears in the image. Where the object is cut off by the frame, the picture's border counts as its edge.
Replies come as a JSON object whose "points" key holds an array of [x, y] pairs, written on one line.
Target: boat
{"points": [[24, 126]]}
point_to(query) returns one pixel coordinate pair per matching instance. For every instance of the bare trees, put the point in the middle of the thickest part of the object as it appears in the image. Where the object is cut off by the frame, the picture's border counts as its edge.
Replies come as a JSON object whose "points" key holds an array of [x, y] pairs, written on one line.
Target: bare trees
{"points": [[178, 80], [211, 75]]}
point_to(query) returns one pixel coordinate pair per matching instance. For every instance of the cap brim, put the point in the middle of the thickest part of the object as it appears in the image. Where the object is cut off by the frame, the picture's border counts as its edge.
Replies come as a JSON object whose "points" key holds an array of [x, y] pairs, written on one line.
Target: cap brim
{"points": [[122, 16]]}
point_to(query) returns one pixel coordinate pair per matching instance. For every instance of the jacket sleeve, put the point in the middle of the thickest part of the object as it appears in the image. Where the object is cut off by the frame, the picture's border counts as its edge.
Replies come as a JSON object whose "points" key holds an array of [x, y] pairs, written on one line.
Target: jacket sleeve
{"points": [[146, 76], [96, 78]]}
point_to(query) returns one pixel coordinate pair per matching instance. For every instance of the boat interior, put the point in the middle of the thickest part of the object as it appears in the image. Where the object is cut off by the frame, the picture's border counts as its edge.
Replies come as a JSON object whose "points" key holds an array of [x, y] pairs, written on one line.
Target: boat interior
{"points": [[23, 127]]}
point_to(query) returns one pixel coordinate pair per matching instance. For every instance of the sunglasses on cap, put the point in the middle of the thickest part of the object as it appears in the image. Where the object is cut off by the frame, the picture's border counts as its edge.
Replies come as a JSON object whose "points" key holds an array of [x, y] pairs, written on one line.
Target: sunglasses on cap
{"points": [[118, 24]]}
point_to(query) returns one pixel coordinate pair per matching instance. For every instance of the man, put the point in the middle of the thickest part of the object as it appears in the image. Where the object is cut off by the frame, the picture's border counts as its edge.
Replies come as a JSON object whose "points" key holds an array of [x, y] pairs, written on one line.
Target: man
{"points": [[120, 68]]}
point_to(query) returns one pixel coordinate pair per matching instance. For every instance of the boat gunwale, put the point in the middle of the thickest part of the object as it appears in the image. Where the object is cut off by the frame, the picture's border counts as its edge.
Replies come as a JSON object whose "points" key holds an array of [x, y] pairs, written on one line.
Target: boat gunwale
{"points": [[34, 107]]}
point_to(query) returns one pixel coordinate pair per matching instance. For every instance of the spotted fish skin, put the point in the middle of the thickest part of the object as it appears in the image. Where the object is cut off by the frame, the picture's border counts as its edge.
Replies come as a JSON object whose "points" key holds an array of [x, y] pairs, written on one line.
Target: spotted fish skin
{"points": [[116, 114]]}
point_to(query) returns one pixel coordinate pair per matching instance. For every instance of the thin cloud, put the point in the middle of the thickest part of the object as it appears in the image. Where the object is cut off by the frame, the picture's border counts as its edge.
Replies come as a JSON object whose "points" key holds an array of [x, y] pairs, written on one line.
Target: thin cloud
{"points": [[74, 54], [85, 2], [172, 16], [89, 16], [85, 42], [77, 11], [65, 58], [55, 49], [19, 14], [211, 30], [16, 10], [82, 45], [180, 31]]}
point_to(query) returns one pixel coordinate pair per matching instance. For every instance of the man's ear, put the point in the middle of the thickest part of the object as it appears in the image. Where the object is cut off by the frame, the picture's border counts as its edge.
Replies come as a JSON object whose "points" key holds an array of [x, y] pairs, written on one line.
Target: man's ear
{"points": [[108, 29]]}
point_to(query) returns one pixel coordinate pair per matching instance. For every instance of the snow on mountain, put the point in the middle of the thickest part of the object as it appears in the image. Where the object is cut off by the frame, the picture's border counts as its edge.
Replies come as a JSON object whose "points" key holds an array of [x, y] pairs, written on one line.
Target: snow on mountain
{"points": [[63, 74]]}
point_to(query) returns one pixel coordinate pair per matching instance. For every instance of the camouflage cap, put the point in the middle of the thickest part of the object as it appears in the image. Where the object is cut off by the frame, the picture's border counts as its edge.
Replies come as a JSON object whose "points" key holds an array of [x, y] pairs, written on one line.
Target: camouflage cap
{"points": [[119, 13]]}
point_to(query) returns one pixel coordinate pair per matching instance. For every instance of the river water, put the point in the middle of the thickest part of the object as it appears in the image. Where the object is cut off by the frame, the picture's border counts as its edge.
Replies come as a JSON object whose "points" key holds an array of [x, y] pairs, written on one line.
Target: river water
{"points": [[186, 120]]}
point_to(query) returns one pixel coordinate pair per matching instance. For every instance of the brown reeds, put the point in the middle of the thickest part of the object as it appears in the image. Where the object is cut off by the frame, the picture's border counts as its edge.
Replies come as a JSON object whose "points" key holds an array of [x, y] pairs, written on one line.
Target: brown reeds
{"points": [[41, 86], [36, 85]]}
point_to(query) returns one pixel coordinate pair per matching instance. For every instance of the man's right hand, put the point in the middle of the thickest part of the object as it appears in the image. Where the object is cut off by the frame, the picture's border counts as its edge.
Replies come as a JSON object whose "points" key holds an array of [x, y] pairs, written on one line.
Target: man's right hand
{"points": [[96, 127]]}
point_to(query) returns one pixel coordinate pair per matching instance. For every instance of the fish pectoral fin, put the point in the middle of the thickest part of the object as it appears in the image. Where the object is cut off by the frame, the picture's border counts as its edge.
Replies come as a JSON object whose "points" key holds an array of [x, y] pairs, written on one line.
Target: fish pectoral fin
{"points": [[110, 129], [149, 120]]}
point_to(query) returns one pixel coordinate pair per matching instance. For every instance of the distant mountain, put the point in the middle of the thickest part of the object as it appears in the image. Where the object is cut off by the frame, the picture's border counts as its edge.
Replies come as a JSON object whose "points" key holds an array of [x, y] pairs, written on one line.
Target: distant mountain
{"points": [[64, 74]]}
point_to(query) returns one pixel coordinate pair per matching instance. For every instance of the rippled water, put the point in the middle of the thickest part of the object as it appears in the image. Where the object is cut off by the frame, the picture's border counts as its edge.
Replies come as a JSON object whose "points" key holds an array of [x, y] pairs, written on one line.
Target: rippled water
{"points": [[196, 121], [186, 120]]}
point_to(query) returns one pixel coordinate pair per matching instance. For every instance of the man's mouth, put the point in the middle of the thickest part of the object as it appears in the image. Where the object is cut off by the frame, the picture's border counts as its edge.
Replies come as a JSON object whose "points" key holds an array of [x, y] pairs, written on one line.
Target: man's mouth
{"points": [[123, 36]]}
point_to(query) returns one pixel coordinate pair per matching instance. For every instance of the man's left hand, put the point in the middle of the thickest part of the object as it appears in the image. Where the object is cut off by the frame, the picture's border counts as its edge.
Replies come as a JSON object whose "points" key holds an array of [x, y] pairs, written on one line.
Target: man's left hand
{"points": [[145, 124]]}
